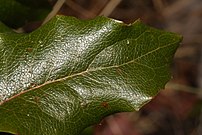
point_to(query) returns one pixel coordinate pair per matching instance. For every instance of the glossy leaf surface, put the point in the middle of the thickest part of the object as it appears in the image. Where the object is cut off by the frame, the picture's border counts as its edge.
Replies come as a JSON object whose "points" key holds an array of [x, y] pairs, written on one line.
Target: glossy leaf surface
{"points": [[69, 74]]}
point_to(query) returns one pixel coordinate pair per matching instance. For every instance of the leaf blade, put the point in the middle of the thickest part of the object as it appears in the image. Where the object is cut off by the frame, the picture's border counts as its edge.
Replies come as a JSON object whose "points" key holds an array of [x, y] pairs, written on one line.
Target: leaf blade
{"points": [[77, 72]]}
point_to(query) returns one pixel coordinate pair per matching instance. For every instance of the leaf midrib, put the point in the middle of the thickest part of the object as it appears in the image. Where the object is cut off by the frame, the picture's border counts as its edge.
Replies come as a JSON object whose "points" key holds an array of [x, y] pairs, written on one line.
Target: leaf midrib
{"points": [[87, 71]]}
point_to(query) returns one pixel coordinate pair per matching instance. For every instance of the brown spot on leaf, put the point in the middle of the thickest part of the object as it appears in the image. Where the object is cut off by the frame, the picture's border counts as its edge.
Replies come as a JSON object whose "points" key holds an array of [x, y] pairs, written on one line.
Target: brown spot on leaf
{"points": [[33, 85], [118, 71], [36, 99], [105, 104], [29, 50]]}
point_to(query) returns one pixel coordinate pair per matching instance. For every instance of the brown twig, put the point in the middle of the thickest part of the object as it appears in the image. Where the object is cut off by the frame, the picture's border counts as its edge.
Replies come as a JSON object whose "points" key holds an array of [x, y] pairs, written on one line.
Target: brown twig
{"points": [[109, 8], [181, 87], [82, 11], [56, 8]]}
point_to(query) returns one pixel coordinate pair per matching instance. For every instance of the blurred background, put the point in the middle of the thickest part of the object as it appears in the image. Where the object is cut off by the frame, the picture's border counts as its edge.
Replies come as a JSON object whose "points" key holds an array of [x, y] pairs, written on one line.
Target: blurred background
{"points": [[176, 110]]}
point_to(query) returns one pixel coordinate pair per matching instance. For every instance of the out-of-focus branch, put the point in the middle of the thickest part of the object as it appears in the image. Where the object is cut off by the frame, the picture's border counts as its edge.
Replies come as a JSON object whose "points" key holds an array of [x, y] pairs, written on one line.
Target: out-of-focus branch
{"points": [[113, 125], [181, 87], [82, 11], [56, 8], [109, 8]]}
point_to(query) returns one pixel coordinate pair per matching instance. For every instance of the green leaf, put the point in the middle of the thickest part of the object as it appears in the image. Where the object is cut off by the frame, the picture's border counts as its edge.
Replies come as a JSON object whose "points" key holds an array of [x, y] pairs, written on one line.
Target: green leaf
{"points": [[70, 73], [16, 13]]}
